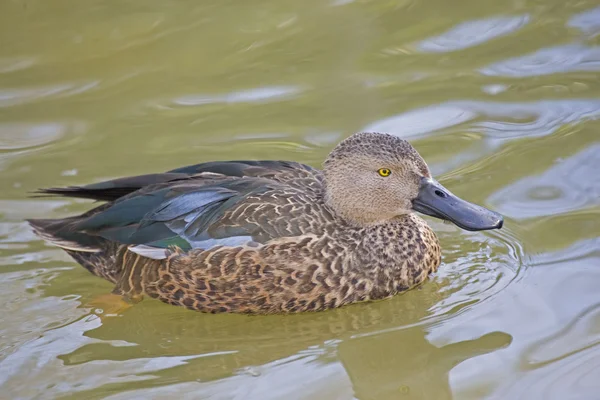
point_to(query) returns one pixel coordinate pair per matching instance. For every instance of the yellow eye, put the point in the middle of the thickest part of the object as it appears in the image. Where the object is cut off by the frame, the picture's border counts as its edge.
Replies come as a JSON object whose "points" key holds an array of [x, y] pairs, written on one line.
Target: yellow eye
{"points": [[384, 172]]}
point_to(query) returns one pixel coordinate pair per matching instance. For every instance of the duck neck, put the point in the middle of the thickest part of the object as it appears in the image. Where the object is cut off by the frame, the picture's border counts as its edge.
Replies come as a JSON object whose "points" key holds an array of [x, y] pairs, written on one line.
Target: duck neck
{"points": [[398, 254]]}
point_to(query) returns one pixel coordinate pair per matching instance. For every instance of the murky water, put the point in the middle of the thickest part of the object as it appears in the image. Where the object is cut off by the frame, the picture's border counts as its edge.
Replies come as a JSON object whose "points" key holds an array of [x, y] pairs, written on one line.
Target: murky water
{"points": [[502, 99]]}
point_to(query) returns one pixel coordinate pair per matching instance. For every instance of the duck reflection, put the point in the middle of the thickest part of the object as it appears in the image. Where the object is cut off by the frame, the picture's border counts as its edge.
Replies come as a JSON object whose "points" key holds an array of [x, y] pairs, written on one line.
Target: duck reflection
{"points": [[382, 347], [403, 364]]}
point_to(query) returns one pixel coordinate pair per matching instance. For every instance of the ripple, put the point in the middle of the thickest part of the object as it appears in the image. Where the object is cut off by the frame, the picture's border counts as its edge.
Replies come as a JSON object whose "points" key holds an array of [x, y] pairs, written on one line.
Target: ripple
{"points": [[494, 89], [514, 120], [336, 3], [15, 136], [18, 139], [472, 33], [576, 377], [587, 21], [579, 250], [18, 210], [257, 95], [539, 118], [569, 185], [475, 276], [29, 312], [298, 377], [16, 96], [421, 122], [563, 365], [44, 330], [541, 303], [8, 65], [581, 334], [559, 59], [23, 258], [33, 366]]}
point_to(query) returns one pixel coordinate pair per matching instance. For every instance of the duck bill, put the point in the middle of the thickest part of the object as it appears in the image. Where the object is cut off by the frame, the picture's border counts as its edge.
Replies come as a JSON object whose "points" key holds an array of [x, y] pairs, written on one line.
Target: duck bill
{"points": [[437, 201]]}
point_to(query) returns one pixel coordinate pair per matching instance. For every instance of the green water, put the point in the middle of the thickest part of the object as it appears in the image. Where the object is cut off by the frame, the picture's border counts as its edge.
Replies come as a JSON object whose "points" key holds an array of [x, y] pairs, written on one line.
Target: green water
{"points": [[501, 98]]}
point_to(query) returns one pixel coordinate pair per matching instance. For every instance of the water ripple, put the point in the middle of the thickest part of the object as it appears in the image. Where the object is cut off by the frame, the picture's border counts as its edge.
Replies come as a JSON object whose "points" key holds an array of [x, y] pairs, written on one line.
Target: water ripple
{"points": [[19, 210], [39, 360], [573, 378], [587, 21], [559, 59], [17, 96], [578, 251], [563, 365], [257, 95], [551, 295], [17, 136], [581, 334], [570, 184], [18, 139], [472, 33], [8, 65], [422, 122], [291, 374], [514, 120], [475, 276], [535, 119]]}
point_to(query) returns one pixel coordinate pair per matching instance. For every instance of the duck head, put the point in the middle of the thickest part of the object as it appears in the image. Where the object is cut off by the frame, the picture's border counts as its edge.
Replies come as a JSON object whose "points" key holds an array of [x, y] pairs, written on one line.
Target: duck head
{"points": [[374, 177]]}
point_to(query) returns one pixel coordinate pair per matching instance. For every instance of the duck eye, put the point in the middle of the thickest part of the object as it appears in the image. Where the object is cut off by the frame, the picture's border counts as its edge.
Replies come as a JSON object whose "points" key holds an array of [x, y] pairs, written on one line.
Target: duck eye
{"points": [[384, 172]]}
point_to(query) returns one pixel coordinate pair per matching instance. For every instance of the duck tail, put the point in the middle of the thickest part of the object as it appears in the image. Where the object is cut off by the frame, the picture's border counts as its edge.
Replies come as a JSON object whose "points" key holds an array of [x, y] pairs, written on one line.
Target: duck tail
{"points": [[110, 190], [94, 253], [56, 233]]}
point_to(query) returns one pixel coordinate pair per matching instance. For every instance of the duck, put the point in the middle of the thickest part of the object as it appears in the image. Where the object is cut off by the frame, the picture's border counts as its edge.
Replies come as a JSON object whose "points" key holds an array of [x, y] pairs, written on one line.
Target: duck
{"points": [[268, 236]]}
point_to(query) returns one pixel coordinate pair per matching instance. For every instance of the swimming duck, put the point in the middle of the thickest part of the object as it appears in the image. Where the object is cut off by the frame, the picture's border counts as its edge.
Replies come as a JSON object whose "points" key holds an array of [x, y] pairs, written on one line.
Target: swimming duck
{"points": [[262, 237]]}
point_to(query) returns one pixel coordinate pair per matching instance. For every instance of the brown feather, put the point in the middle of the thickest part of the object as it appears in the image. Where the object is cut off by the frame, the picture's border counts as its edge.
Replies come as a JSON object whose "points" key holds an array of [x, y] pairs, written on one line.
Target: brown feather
{"points": [[306, 255]]}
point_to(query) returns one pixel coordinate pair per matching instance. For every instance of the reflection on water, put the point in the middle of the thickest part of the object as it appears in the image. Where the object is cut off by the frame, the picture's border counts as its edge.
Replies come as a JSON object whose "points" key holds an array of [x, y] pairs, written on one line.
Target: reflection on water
{"points": [[472, 33], [492, 119], [248, 96], [501, 98], [11, 97], [570, 184], [406, 368], [561, 59], [21, 136], [587, 21]]}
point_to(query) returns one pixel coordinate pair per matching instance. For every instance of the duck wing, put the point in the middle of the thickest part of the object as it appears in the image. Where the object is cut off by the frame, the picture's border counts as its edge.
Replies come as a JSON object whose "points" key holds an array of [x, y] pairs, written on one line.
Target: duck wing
{"points": [[194, 213], [282, 171]]}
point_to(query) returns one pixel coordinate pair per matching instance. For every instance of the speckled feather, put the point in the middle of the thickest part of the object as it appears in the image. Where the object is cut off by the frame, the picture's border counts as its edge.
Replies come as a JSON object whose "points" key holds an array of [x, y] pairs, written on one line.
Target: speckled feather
{"points": [[302, 256]]}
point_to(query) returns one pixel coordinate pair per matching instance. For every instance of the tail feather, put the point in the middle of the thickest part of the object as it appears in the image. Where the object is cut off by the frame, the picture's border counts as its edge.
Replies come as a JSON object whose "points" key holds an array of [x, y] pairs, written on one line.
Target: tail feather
{"points": [[113, 189], [47, 229], [95, 254], [81, 192]]}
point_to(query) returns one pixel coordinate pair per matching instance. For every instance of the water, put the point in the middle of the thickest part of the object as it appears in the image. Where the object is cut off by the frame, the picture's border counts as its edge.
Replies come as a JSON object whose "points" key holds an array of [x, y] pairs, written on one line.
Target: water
{"points": [[501, 98]]}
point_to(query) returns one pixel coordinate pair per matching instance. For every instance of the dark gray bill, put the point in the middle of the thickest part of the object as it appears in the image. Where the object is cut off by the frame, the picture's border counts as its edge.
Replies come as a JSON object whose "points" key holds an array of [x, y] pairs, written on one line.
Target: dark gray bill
{"points": [[437, 201]]}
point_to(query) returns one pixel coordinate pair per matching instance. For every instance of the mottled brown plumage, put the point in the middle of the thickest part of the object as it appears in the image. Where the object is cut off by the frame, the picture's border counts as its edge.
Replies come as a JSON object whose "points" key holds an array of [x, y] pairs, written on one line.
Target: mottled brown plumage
{"points": [[261, 236]]}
